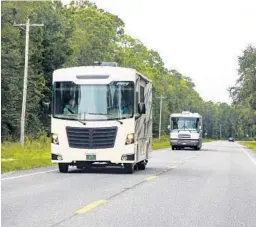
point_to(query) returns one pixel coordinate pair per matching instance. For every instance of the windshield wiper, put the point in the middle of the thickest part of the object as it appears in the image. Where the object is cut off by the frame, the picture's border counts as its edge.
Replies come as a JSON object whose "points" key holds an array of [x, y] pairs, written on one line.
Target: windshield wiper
{"points": [[76, 119], [184, 128], [181, 128], [81, 122], [104, 115], [118, 121], [70, 119], [97, 114]]}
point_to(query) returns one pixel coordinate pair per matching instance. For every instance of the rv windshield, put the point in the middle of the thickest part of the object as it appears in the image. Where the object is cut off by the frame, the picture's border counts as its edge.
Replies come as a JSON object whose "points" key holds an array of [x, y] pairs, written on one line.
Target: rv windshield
{"points": [[184, 123], [93, 102]]}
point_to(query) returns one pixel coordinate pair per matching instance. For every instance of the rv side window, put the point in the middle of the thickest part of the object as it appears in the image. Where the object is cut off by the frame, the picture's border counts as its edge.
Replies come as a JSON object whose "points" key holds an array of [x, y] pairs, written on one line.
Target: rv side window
{"points": [[136, 102], [141, 94]]}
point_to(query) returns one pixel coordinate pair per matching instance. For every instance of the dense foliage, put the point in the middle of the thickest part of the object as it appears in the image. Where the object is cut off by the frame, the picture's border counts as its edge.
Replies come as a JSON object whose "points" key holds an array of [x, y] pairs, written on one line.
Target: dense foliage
{"points": [[244, 94], [81, 33]]}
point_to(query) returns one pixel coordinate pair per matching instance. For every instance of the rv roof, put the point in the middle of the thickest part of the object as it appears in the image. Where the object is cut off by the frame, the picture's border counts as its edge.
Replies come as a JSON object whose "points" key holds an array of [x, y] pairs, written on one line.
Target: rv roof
{"points": [[99, 69], [185, 114]]}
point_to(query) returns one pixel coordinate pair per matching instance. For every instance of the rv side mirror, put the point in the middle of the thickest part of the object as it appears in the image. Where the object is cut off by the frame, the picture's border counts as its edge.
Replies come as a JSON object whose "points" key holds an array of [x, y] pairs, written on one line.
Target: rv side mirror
{"points": [[47, 108], [169, 127], [200, 127], [141, 108]]}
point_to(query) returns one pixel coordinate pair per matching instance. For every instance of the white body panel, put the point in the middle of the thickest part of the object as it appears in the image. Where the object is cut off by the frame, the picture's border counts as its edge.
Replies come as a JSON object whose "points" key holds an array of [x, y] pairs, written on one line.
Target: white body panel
{"points": [[193, 135], [90, 74], [141, 127], [108, 154]]}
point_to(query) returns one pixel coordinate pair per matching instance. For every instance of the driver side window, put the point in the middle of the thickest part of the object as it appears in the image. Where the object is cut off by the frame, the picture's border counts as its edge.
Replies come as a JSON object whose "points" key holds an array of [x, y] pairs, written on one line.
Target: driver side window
{"points": [[142, 95]]}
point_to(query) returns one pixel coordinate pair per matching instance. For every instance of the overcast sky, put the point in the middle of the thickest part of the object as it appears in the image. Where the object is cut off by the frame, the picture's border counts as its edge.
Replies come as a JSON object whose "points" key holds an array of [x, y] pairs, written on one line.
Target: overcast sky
{"points": [[201, 38]]}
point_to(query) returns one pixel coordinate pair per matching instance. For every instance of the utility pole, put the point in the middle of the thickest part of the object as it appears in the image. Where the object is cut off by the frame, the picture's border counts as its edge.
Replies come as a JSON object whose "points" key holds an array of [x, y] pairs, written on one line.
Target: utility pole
{"points": [[220, 131], [160, 115], [23, 111]]}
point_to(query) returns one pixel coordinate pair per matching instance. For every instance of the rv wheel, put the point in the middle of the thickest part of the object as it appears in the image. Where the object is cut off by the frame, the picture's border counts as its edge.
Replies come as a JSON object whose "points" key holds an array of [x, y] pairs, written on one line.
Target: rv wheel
{"points": [[129, 168], [142, 165], [63, 167]]}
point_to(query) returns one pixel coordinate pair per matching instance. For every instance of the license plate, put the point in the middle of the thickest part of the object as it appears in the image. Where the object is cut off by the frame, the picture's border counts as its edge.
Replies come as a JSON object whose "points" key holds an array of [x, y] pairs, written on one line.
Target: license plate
{"points": [[91, 157], [183, 143]]}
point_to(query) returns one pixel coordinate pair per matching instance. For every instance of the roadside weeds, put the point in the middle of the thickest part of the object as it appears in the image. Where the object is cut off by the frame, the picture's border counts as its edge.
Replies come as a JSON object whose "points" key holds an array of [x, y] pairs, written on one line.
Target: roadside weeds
{"points": [[249, 144]]}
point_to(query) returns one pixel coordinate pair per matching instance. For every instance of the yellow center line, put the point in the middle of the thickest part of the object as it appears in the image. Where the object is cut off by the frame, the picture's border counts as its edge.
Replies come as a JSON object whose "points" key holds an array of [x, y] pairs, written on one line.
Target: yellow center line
{"points": [[91, 206], [150, 178]]}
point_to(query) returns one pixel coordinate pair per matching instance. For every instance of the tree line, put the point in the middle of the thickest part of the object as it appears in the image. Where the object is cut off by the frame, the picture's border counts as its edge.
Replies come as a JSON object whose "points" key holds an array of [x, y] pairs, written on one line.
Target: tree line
{"points": [[79, 34]]}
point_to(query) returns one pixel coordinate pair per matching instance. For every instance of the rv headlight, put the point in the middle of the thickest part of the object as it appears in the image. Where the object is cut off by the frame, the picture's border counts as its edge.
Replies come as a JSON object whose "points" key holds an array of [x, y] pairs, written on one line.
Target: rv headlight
{"points": [[129, 139], [55, 139], [124, 157], [59, 157]]}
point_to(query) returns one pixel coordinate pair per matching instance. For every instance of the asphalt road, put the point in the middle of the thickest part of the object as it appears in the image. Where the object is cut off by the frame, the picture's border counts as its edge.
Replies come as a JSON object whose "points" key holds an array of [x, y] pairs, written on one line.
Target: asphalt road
{"points": [[212, 187]]}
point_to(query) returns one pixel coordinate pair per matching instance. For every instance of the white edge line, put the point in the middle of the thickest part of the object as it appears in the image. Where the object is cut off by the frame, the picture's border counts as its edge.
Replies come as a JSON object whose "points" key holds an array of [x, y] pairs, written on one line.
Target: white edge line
{"points": [[246, 152], [27, 175]]}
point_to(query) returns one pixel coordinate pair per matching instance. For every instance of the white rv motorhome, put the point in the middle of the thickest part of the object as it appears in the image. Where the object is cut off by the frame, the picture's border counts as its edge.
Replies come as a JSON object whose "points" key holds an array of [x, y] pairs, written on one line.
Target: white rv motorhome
{"points": [[101, 115], [185, 130]]}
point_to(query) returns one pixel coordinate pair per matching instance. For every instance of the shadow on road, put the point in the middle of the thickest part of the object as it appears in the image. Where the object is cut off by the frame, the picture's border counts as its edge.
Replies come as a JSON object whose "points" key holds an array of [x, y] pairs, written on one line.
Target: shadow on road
{"points": [[205, 149], [103, 170], [116, 170], [223, 149], [186, 149]]}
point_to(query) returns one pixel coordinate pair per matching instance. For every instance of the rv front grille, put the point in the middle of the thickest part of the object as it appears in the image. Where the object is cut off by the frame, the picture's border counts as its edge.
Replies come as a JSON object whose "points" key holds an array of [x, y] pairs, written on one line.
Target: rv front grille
{"points": [[184, 136], [91, 138]]}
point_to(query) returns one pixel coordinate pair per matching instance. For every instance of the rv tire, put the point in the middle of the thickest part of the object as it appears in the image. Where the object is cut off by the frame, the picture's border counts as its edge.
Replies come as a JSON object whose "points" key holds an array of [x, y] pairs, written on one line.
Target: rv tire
{"points": [[141, 165], [129, 168], [63, 167]]}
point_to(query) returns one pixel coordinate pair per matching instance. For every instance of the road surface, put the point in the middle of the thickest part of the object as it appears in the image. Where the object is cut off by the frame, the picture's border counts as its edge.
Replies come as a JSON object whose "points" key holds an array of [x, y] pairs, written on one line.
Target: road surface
{"points": [[212, 187]]}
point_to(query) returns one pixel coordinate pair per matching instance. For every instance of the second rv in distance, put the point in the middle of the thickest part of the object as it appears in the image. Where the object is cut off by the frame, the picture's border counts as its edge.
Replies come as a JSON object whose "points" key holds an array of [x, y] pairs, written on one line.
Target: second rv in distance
{"points": [[186, 130]]}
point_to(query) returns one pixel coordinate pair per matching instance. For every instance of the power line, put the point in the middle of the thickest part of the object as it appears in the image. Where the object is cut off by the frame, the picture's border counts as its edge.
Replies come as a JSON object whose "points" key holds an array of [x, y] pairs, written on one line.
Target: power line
{"points": [[23, 111], [220, 131]]}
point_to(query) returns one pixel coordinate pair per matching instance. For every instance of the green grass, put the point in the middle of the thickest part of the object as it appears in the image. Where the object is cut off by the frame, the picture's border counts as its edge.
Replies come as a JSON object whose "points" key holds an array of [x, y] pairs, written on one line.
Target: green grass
{"points": [[249, 144], [33, 154], [208, 140], [159, 144]]}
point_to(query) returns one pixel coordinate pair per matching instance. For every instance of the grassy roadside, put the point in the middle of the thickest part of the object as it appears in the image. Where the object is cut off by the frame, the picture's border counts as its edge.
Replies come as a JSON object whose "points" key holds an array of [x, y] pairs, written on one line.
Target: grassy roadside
{"points": [[208, 140], [164, 142], [249, 144], [34, 154], [37, 153]]}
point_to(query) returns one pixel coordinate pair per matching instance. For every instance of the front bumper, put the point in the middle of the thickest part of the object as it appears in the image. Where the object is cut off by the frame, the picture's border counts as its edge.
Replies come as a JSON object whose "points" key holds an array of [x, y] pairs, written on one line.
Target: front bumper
{"points": [[184, 143], [111, 155]]}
